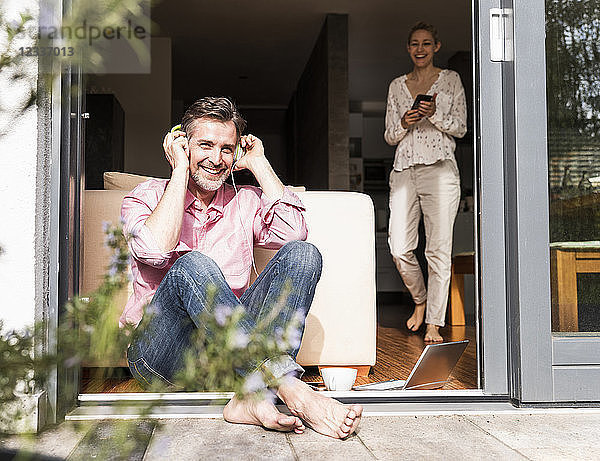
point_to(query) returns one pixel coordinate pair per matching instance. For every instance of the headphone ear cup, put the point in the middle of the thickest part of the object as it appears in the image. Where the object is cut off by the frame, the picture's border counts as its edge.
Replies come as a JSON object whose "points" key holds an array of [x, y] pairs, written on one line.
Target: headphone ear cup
{"points": [[238, 153]]}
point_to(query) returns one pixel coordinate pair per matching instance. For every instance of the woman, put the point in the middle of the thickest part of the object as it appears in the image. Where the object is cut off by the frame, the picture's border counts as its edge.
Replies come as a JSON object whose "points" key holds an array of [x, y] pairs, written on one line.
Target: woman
{"points": [[425, 179]]}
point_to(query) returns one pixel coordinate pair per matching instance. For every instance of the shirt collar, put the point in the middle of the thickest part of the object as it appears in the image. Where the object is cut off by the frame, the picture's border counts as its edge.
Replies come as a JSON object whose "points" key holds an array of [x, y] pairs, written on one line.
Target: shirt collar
{"points": [[217, 203], [189, 199]]}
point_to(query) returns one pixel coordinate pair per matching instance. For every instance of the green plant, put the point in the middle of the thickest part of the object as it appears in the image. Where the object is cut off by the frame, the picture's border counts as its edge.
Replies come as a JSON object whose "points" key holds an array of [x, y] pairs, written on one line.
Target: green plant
{"points": [[573, 66], [226, 359], [24, 74], [18, 363]]}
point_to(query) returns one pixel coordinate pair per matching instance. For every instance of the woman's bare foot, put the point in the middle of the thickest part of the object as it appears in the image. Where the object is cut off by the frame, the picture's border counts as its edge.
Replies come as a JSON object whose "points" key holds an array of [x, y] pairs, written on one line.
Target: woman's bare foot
{"points": [[416, 319], [325, 415], [261, 413], [432, 334]]}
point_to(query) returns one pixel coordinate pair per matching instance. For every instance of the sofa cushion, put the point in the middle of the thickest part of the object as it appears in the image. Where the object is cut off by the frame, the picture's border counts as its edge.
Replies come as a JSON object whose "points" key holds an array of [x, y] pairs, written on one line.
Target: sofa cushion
{"points": [[115, 180], [99, 207]]}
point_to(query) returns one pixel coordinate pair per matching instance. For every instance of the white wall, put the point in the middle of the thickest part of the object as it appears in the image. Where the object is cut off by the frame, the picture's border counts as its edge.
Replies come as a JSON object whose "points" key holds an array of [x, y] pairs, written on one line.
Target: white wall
{"points": [[146, 101], [18, 181], [17, 213]]}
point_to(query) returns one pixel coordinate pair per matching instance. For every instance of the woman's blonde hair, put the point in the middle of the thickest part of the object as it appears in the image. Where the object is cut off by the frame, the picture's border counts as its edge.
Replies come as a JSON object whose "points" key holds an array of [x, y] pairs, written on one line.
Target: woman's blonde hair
{"points": [[424, 26]]}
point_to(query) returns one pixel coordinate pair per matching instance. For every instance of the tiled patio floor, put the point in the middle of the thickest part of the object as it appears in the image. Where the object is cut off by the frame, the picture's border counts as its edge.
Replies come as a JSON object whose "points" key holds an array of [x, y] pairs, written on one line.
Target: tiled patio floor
{"points": [[564, 434]]}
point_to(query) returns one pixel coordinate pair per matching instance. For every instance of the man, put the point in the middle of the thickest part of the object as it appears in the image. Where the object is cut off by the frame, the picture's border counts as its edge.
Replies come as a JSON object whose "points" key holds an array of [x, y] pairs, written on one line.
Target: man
{"points": [[193, 231]]}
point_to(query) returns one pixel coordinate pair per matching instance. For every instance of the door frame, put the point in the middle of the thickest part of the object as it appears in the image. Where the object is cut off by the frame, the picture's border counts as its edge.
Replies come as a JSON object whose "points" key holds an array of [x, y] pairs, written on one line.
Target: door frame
{"points": [[499, 137], [551, 367], [490, 222], [66, 183], [527, 213]]}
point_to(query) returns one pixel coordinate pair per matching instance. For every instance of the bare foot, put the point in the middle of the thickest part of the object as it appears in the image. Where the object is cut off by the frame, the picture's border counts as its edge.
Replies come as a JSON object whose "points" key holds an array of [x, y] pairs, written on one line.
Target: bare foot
{"points": [[261, 413], [432, 334], [416, 319], [325, 415]]}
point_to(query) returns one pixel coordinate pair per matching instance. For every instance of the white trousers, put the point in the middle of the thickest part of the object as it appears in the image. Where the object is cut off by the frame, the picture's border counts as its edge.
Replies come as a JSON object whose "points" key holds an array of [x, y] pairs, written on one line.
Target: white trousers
{"points": [[434, 192]]}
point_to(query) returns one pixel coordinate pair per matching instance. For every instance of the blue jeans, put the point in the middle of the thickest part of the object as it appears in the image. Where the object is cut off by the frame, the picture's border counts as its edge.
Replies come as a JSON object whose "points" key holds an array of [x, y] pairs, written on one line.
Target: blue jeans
{"points": [[157, 349]]}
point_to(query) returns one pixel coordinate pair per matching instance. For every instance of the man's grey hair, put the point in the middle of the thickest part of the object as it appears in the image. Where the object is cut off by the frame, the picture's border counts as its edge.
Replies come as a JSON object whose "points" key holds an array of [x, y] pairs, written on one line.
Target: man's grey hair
{"points": [[217, 108]]}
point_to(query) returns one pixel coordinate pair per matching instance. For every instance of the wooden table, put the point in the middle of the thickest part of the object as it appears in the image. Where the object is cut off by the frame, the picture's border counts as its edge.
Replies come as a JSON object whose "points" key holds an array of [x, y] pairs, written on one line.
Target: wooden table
{"points": [[567, 259]]}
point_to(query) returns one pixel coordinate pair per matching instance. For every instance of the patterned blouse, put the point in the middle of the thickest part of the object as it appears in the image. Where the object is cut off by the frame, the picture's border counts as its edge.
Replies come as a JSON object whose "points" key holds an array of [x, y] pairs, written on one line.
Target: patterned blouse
{"points": [[431, 139]]}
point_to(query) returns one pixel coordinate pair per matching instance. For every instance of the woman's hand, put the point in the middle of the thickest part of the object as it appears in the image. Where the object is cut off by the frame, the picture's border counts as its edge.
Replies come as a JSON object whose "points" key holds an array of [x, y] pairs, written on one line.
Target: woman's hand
{"points": [[176, 150], [410, 117], [427, 108]]}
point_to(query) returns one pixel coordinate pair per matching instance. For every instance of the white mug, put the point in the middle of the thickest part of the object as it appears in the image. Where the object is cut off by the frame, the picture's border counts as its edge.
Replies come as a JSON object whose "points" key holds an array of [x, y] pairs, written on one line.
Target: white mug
{"points": [[339, 378]]}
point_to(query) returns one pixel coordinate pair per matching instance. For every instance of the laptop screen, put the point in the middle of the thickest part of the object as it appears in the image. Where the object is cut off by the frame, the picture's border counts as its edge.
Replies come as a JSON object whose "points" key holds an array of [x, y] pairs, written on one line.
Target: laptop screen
{"points": [[435, 365]]}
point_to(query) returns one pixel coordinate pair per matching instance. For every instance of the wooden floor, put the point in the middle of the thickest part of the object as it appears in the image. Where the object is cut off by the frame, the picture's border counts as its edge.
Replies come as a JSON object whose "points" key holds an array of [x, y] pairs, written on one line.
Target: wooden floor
{"points": [[397, 352]]}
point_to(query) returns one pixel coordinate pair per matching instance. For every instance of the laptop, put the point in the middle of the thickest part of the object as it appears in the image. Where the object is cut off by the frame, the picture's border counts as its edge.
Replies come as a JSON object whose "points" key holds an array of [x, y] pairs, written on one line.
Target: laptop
{"points": [[431, 371]]}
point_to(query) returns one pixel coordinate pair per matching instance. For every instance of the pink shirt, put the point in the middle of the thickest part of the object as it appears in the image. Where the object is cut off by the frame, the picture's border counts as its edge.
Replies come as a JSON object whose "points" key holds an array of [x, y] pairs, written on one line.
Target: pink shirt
{"points": [[216, 232]]}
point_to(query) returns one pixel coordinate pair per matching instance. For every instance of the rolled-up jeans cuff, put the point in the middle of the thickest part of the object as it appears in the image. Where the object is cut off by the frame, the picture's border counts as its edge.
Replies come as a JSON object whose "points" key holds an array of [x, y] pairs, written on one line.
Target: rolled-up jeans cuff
{"points": [[280, 366]]}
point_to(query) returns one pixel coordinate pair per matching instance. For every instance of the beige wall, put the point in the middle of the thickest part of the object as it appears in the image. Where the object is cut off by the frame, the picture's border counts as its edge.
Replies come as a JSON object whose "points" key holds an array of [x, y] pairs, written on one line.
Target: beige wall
{"points": [[146, 101]]}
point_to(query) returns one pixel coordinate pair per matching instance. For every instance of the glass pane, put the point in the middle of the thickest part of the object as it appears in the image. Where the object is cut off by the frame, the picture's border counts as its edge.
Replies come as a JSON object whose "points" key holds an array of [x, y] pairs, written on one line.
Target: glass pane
{"points": [[573, 85]]}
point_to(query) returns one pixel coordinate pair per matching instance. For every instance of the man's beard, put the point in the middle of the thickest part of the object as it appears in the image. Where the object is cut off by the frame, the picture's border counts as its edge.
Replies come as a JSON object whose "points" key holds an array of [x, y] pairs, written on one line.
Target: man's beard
{"points": [[208, 185]]}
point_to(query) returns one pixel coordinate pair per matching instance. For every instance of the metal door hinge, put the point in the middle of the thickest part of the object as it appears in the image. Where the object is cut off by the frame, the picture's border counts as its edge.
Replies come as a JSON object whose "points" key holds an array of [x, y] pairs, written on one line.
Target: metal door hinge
{"points": [[501, 34]]}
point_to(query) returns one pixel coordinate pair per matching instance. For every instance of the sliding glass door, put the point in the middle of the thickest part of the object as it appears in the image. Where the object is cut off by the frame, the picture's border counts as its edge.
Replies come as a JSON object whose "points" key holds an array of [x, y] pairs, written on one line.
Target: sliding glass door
{"points": [[552, 173], [573, 81]]}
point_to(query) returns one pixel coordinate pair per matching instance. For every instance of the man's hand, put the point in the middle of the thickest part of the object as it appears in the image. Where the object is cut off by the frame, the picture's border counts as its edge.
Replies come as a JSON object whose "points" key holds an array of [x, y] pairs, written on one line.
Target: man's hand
{"points": [[254, 152], [255, 161], [176, 150]]}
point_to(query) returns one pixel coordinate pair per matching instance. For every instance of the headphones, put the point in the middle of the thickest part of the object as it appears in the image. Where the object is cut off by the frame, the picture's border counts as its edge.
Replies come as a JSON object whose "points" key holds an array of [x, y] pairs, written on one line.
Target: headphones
{"points": [[238, 153]]}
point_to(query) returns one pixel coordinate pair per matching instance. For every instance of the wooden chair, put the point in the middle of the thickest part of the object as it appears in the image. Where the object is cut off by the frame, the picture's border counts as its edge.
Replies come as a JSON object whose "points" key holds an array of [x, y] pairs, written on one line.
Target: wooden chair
{"points": [[567, 259]]}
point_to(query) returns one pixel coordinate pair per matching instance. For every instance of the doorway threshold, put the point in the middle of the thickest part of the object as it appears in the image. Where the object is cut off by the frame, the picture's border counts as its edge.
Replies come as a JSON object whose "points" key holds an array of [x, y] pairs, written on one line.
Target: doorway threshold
{"points": [[210, 404]]}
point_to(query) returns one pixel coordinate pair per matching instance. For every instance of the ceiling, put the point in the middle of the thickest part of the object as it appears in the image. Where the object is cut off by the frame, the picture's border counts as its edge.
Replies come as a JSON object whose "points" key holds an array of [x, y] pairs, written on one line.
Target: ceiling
{"points": [[256, 50]]}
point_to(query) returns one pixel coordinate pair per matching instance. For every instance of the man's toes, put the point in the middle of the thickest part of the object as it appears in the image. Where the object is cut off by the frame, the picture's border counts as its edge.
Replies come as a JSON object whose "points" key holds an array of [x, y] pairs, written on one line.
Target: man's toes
{"points": [[346, 428], [341, 434], [357, 409], [279, 422], [287, 421]]}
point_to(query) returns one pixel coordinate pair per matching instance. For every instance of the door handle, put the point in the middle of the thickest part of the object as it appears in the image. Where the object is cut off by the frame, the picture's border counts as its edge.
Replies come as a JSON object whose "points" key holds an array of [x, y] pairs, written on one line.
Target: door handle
{"points": [[501, 34]]}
